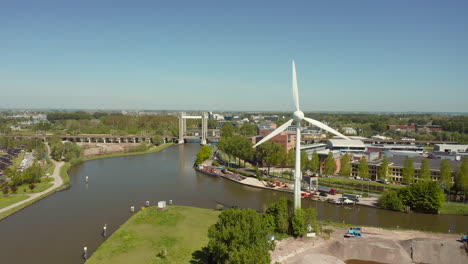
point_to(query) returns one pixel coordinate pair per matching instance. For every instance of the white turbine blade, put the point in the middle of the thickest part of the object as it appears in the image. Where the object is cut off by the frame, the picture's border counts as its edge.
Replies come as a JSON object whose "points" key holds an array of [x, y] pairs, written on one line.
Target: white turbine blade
{"points": [[325, 127], [295, 89], [275, 132]]}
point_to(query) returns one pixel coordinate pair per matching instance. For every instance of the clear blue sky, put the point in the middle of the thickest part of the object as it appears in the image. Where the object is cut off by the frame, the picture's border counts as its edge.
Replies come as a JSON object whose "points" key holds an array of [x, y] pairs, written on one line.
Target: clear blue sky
{"points": [[235, 55]]}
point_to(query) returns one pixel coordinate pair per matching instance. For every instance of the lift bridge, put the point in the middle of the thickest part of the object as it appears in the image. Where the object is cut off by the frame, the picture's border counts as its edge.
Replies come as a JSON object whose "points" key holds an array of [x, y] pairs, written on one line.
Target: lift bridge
{"points": [[184, 134]]}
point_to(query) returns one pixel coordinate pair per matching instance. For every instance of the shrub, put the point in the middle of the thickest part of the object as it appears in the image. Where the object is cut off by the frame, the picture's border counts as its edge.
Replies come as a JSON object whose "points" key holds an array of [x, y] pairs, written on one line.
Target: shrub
{"points": [[238, 237], [390, 200]]}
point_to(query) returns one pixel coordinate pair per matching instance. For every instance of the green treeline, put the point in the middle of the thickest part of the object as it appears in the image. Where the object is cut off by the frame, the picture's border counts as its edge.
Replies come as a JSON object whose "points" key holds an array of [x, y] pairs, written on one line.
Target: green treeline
{"points": [[68, 151], [424, 197], [242, 235]]}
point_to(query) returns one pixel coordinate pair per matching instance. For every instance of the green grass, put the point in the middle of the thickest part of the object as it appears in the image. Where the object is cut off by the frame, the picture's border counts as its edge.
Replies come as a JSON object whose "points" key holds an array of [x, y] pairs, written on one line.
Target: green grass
{"points": [[180, 230], [454, 208], [40, 187], [50, 167], [9, 200], [64, 173]]}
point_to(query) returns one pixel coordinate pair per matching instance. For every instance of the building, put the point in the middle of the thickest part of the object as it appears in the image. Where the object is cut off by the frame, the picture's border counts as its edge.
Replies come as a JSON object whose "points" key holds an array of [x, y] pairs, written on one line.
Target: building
{"points": [[272, 118], [345, 145], [410, 128], [349, 131], [287, 139], [396, 165], [416, 128], [450, 148]]}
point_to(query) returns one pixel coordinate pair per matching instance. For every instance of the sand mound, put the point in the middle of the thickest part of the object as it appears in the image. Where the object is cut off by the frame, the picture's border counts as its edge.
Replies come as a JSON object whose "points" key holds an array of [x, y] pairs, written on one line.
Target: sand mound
{"points": [[426, 250], [315, 258], [371, 249]]}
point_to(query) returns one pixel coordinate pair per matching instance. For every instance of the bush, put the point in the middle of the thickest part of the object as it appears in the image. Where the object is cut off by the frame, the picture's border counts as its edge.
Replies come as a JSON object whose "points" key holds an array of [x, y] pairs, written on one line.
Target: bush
{"points": [[390, 200], [424, 197], [239, 236], [298, 224]]}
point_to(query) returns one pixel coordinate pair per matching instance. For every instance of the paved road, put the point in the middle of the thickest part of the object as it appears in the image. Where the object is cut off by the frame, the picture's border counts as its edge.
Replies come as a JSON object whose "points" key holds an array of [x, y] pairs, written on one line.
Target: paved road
{"points": [[56, 184]]}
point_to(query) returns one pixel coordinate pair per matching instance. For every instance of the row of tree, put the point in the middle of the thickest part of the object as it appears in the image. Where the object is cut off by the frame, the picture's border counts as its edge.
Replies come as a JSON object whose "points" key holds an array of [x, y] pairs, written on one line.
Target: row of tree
{"points": [[243, 235], [424, 197], [67, 151]]}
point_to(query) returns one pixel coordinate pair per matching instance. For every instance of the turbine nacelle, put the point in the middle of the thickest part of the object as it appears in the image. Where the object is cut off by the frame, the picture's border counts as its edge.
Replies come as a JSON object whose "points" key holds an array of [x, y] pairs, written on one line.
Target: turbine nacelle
{"points": [[298, 115]]}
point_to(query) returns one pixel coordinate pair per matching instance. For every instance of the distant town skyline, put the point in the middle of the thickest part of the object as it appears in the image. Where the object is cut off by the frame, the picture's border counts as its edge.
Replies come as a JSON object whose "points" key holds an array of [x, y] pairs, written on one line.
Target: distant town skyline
{"points": [[366, 56]]}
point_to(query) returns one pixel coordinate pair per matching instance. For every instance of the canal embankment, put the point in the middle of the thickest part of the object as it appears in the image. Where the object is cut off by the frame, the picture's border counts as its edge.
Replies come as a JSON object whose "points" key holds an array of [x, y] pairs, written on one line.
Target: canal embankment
{"points": [[61, 180], [174, 235]]}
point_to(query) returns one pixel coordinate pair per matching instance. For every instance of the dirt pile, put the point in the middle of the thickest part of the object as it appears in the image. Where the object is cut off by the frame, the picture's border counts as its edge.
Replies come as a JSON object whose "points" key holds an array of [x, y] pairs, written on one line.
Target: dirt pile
{"points": [[376, 245], [371, 249], [426, 250]]}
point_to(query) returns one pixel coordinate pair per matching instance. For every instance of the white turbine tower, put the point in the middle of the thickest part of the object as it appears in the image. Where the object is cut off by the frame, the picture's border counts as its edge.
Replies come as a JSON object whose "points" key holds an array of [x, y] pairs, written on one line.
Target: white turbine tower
{"points": [[298, 116]]}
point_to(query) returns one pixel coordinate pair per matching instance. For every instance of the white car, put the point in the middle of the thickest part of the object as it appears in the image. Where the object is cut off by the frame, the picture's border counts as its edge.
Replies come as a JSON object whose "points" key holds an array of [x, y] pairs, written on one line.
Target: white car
{"points": [[347, 201]]}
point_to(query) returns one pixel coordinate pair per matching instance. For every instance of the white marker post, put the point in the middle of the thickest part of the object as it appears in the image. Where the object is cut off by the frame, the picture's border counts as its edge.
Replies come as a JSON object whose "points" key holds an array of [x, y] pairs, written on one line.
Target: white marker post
{"points": [[132, 209]]}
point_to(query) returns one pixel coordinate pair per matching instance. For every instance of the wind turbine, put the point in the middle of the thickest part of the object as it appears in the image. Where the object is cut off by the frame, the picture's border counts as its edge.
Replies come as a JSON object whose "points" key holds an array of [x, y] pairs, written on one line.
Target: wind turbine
{"points": [[297, 117]]}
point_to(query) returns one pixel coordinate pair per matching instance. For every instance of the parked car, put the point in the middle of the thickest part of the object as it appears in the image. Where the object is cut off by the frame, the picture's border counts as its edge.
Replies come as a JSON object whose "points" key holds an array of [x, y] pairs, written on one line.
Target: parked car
{"points": [[323, 194], [333, 201], [347, 201]]}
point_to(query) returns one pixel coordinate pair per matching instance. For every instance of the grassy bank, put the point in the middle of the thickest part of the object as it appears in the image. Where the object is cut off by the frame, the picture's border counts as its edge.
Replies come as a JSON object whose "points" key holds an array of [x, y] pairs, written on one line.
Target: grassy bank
{"points": [[40, 187], [9, 200], [118, 154], [454, 208], [180, 230]]}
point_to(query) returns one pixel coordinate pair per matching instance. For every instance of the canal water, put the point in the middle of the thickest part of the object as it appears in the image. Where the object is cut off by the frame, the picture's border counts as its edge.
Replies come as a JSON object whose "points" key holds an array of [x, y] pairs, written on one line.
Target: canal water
{"points": [[55, 230]]}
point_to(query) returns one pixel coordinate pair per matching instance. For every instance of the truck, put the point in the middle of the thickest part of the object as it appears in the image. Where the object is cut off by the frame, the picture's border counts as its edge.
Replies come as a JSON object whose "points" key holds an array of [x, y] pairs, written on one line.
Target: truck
{"points": [[328, 190], [352, 197]]}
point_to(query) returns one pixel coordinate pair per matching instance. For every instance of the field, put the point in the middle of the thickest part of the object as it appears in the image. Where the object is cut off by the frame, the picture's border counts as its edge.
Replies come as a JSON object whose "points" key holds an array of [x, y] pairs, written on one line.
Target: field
{"points": [[454, 208], [9, 200], [180, 230]]}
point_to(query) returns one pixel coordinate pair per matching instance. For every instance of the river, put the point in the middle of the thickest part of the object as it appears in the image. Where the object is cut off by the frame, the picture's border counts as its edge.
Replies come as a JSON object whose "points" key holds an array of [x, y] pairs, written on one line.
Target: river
{"points": [[55, 229]]}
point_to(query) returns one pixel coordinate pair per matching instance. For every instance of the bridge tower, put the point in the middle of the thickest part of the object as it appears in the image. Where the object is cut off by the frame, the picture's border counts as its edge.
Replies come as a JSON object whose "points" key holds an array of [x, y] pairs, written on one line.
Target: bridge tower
{"points": [[183, 126]]}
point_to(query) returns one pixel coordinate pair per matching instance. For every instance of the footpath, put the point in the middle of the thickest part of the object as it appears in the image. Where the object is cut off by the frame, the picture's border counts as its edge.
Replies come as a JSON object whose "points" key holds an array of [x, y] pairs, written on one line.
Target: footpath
{"points": [[56, 184]]}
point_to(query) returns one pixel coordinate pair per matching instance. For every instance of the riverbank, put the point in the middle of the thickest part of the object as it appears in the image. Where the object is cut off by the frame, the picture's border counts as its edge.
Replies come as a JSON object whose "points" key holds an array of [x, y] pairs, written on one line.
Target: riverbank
{"points": [[61, 180], [57, 185], [180, 231]]}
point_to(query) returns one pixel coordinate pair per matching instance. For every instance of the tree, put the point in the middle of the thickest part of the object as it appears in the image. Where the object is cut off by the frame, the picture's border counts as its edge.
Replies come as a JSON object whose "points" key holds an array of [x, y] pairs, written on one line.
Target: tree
{"points": [[424, 172], [203, 154], [424, 197], [248, 130], [382, 172], [268, 152], [345, 165], [445, 178], [239, 236], [390, 200], [330, 164], [462, 178], [302, 220], [408, 171], [304, 160], [158, 140], [363, 168], [315, 162], [227, 130], [281, 212]]}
